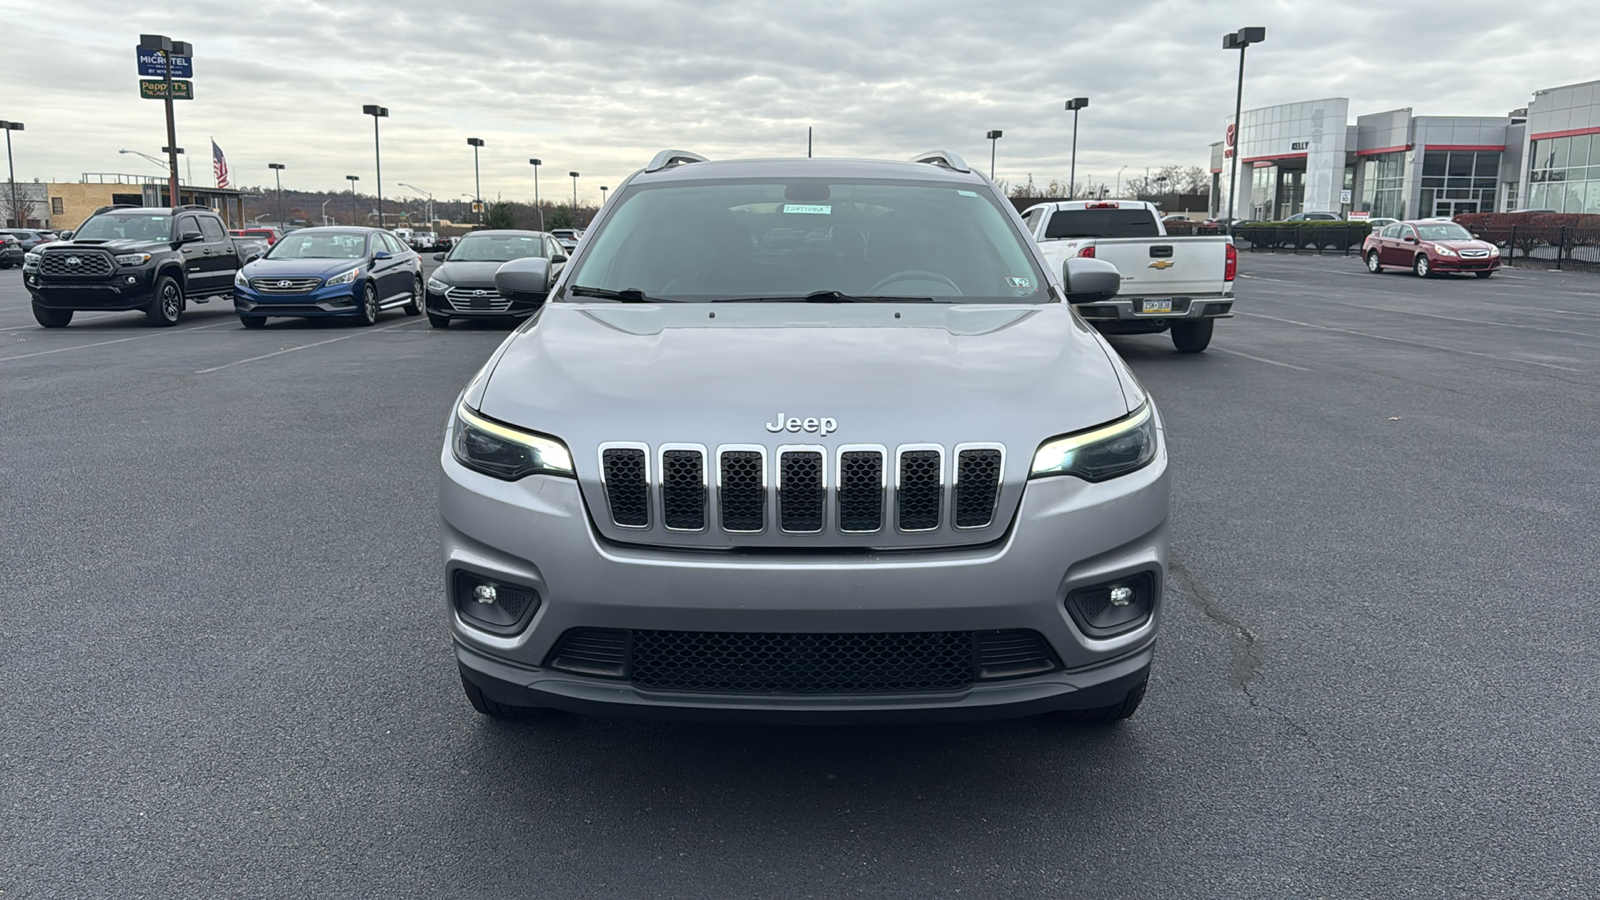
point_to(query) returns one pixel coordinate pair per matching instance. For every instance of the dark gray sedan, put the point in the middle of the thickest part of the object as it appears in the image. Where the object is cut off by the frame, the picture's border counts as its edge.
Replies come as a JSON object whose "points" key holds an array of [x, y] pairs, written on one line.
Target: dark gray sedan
{"points": [[464, 286]]}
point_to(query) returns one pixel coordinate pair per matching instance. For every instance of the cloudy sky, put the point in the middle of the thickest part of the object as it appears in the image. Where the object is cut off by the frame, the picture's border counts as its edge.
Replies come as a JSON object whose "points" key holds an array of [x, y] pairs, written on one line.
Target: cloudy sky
{"points": [[599, 85]]}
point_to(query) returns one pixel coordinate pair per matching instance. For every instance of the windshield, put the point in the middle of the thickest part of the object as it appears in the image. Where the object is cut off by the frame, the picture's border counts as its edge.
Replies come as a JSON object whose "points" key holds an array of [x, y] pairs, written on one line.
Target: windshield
{"points": [[1447, 231], [320, 245], [1097, 223], [126, 227], [495, 248], [753, 240]]}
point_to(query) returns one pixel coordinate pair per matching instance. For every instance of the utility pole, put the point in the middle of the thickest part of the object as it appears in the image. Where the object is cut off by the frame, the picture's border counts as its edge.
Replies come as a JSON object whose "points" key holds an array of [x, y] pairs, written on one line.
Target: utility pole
{"points": [[277, 172], [1073, 106], [16, 208], [574, 199], [536, 163], [355, 211], [477, 181], [993, 136], [1238, 40], [377, 112]]}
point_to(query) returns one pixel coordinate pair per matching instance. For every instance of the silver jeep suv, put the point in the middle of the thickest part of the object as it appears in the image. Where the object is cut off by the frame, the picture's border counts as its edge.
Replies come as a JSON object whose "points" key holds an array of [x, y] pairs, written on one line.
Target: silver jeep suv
{"points": [[810, 440]]}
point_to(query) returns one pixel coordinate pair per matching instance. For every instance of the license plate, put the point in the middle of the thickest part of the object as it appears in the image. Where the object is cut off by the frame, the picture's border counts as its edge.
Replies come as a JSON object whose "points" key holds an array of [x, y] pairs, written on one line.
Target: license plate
{"points": [[1156, 306], [480, 302]]}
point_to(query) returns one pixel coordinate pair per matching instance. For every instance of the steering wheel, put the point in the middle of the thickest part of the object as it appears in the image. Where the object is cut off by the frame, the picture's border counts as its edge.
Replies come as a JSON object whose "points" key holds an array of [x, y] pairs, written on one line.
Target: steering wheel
{"points": [[913, 275]]}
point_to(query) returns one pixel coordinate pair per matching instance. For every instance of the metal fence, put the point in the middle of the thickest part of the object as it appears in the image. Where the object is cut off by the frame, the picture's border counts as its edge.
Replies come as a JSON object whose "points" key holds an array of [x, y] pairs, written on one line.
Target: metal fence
{"points": [[1564, 247]]}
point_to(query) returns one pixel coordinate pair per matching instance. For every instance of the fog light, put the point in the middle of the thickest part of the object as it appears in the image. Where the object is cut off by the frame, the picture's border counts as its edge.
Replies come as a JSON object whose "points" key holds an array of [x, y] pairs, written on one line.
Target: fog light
{"points": [[133, 279], [491, 604], [1113, 607]]}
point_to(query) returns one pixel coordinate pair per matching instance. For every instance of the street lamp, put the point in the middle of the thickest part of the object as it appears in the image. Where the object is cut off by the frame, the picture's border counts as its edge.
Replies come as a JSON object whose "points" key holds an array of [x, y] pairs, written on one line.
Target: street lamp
{"points": [[476, 182], [992, 136], [325, 210], [355, 214], [377, 112], [430, 199], [277, 172], [1073, 105], [603, 190], [16, 210], [1238, 40], [1119, 180], [574, 198], [536, 163], [168, 49]]}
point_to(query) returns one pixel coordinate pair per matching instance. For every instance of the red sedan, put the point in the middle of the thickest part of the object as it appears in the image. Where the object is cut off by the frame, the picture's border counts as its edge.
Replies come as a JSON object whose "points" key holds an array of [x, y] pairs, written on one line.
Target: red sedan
{"points": [[1429, 247]]}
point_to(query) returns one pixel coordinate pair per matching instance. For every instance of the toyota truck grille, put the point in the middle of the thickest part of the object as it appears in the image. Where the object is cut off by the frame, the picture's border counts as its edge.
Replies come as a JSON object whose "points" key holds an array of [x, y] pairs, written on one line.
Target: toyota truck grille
{"points": [[802, 663], [284, 285], [747, 489], [76, 262]]}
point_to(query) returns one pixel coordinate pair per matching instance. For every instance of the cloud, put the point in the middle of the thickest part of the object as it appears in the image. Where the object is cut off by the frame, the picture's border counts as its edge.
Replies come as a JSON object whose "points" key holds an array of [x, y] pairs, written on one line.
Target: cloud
{"points": [[599, 86]]}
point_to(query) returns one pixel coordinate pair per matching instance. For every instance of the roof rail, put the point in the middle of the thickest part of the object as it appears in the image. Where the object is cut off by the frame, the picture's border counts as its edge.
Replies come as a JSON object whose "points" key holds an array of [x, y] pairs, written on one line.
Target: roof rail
{"points": [[117, 206], [942, 158], [195, 206], [666, 159]]}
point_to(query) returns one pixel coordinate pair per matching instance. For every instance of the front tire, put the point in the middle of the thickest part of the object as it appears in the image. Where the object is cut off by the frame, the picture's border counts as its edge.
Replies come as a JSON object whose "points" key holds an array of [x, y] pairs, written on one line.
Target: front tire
{"points": [[51, 318], [1192, 337], [438, 321], [166, 307], [1484, 274], [1372, 263], [1421, 266], [253, 321], [368, 314], [414, 308]]}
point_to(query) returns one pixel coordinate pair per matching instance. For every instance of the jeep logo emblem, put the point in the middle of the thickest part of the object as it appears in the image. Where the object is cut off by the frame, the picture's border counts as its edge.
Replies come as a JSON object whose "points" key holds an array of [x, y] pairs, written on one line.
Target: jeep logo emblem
{"points": [[821, 427], [74, 261]]}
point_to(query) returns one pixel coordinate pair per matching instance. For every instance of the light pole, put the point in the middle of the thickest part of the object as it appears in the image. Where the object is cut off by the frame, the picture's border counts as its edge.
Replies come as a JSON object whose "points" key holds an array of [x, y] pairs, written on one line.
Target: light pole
{"points": [[1238, 40], [430, 199], [536, 163], [1073, 105], [603, 190], [355, 214], [993, 136], [277, 172], [168, 48], [325, 210], [16, 210], [1119, 180], [574, 199], [477, 183], [377, 112]]}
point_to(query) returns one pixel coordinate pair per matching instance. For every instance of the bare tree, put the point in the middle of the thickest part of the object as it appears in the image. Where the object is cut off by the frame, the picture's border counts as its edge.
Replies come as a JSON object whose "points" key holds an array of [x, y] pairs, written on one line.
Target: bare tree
{"points": [[26, 206]]}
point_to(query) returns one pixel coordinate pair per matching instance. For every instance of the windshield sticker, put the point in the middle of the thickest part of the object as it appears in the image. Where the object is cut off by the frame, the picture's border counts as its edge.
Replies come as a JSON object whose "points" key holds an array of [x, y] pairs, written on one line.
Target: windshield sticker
{"points": [[1019, 282], [808, 210], [967, 193]]}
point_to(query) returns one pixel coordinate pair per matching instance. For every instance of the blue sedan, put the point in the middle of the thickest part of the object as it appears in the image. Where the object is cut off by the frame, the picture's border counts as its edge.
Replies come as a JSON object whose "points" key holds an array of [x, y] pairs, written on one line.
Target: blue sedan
{"points": [[352, 272]]}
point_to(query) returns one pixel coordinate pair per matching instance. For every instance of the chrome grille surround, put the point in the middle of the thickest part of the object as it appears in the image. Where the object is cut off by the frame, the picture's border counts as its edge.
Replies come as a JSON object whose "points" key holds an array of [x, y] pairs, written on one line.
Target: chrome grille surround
{"points": [[612, 501], [462, 298], [743, 495], [794, 507], [1474, 254], [679, 492], [849, 458], [914, 493], [266, 285], [956, 504]]}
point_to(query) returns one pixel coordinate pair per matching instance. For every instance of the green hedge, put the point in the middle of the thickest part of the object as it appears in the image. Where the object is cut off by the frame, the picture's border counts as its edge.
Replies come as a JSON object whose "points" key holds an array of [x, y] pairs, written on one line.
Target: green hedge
{"points": [[1319, 236]]}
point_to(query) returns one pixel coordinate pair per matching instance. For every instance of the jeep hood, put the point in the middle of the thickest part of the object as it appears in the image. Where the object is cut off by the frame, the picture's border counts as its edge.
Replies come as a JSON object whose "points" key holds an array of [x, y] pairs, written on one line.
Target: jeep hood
{"points": [[888, 374]]}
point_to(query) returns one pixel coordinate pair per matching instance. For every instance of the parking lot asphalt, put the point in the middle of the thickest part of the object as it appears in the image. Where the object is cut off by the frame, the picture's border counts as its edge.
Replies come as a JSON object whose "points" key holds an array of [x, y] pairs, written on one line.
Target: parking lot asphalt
{"points": [[225, 671]]}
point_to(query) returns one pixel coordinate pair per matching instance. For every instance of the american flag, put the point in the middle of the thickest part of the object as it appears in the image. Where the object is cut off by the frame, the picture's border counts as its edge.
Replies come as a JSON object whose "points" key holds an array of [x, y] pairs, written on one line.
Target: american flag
{"points": [[219, 165]]}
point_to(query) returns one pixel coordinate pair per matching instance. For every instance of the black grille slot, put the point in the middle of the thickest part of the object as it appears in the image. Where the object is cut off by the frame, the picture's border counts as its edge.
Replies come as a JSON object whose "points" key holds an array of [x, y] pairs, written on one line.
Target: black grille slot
{"points": [[626, 490], [743, 491], [801, 494], [683, 490], [592, 651], [977, 486], [90, 262], [1011, 654], [860, 491], [734, 662], [920, 491]]}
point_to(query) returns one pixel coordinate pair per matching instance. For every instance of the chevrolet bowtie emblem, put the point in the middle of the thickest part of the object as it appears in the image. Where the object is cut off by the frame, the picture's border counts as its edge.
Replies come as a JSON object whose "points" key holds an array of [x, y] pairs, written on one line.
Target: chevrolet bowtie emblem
{"points": [[1162, 264]]}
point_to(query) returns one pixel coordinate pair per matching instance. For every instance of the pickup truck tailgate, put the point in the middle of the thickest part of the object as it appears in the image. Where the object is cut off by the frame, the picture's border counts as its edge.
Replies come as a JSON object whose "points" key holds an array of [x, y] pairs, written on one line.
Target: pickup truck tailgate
{"points": [[1161, 266]]}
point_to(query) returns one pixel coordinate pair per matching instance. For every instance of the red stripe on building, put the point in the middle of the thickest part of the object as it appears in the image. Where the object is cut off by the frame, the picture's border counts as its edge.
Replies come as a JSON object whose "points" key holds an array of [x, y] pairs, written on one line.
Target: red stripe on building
{"points": [[1252, 159], [1377, 150], [1571, 132], [1466, 146]]}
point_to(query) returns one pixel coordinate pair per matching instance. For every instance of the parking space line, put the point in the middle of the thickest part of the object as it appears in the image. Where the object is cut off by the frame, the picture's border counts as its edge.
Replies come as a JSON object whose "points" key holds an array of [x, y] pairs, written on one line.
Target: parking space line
{"points": [[1270, 362], [1383, 337], [346, 337], [116, 341]]}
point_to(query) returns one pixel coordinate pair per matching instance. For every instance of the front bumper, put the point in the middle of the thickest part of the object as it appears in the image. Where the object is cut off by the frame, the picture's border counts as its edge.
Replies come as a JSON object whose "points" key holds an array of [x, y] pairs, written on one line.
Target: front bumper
{"points": [[1067, 534], [1461, 264], [127, 288], [339, 300]]}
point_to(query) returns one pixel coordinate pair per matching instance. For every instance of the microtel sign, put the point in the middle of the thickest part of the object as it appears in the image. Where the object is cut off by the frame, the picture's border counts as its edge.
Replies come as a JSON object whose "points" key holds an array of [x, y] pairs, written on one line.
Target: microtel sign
{"points": [[153, 65]]}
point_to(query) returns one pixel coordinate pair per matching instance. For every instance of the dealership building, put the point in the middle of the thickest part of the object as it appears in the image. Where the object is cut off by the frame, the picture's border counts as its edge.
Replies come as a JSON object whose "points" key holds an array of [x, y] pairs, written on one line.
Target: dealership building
{"points": [[1310, 157]]}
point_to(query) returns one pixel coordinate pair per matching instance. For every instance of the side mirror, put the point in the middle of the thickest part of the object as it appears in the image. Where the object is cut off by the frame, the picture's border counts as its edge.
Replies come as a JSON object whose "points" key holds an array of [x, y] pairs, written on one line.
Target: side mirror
{"points": [[66, 236], [1411, 240], [190, 237], [381, 255], [438, 257], [1090, 280], [558, 258], [527, 276]]}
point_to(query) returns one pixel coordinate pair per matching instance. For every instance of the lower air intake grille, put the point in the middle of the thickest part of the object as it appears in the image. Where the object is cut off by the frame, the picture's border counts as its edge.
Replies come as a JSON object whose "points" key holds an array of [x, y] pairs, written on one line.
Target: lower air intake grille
{"points": [[683, 490], [626, 490], [977, 485], [592, 651], [920, 490], [860, 491], [743, 490], [1010, 654], [800, 491]]}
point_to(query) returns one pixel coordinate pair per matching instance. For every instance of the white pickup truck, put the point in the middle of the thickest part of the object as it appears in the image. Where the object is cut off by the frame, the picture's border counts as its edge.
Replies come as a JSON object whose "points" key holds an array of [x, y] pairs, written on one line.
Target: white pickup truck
{"points": [[1168, 282]]}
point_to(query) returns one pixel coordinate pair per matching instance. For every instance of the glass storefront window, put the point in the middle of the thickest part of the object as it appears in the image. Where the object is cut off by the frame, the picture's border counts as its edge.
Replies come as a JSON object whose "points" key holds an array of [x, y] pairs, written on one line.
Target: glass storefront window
{"points": [[1564, 174]]}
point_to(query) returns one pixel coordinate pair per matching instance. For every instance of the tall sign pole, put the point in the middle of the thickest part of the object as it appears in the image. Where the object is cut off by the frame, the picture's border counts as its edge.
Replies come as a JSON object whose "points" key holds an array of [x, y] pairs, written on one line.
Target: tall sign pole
{"points": [[16, 209], [169, 51], [1238, 40]]}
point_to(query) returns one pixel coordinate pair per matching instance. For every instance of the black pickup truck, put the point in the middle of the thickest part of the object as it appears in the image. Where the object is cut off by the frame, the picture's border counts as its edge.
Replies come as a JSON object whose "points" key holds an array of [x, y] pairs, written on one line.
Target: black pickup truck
{"points": [[151, 259]]}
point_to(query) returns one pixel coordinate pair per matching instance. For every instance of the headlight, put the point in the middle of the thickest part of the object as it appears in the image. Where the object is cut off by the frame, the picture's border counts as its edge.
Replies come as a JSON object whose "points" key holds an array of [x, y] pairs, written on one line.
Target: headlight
{"points": [[1101, 453], [343, 277], [1442, 250], [31, 258], [504, 452], [239, 280], [132, 259], [1494, 251], [436, 285]]}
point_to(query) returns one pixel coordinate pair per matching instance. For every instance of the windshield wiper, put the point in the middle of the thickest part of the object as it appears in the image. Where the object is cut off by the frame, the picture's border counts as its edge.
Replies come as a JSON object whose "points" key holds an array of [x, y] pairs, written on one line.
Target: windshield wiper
{"points": [[626, 295]]}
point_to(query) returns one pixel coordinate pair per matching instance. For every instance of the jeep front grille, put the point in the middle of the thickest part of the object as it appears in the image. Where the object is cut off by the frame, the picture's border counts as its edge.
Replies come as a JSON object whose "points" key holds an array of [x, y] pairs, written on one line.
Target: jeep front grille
{"points": [[802, 490], [89, 263], [285, 285]]}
